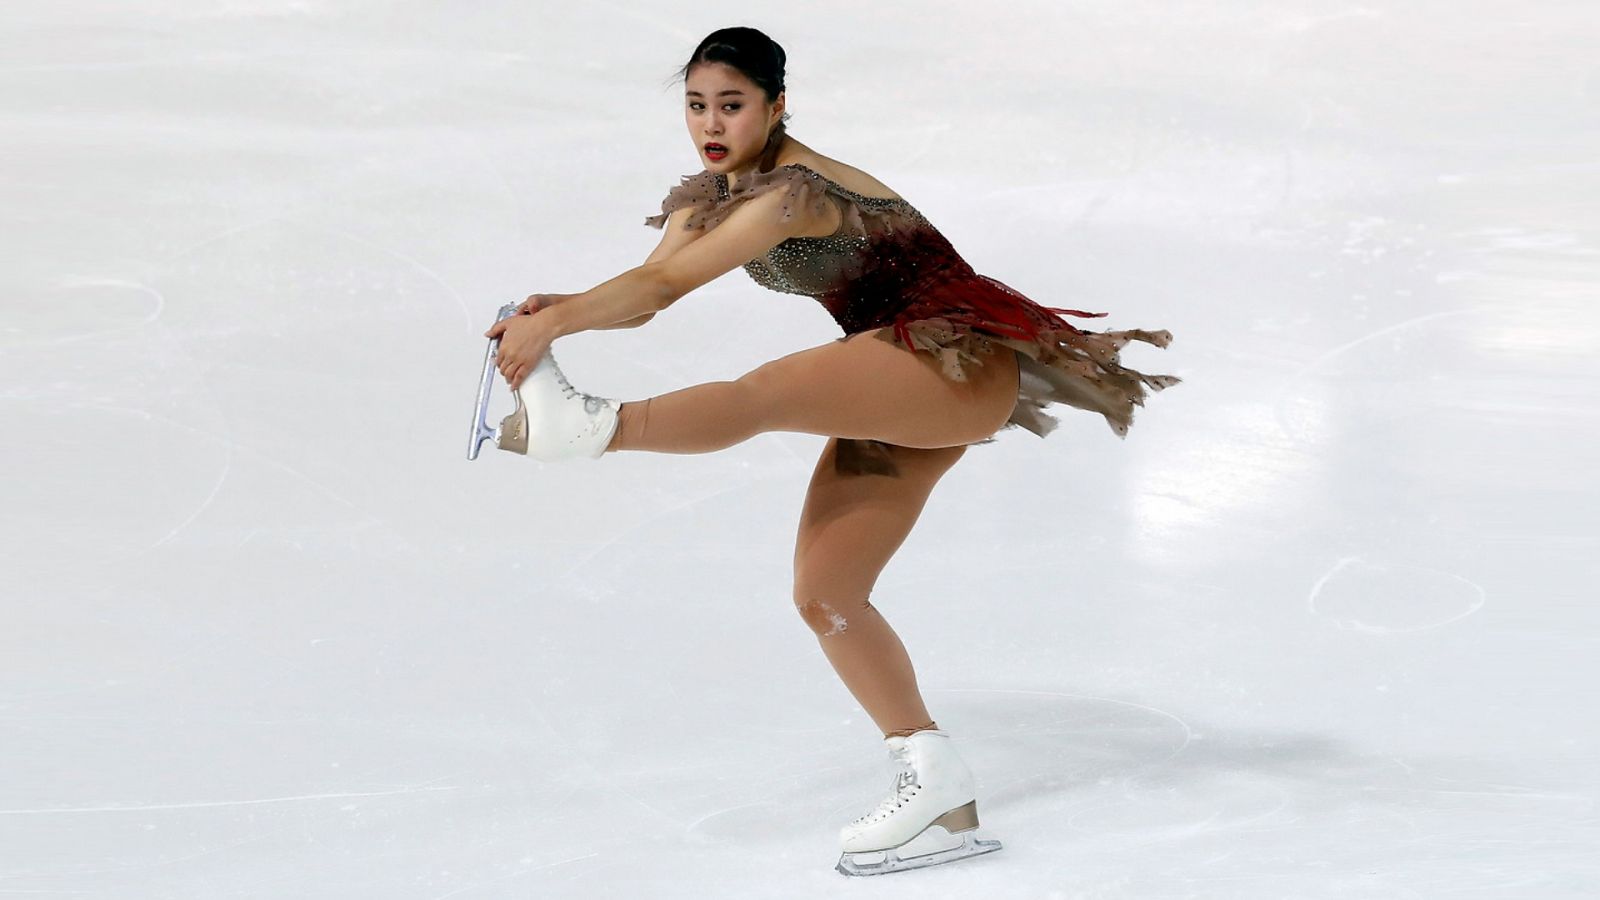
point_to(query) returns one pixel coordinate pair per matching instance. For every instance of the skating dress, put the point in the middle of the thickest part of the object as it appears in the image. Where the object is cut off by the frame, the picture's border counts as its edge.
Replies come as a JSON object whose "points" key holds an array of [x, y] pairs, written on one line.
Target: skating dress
{"points": [[888, 266]]}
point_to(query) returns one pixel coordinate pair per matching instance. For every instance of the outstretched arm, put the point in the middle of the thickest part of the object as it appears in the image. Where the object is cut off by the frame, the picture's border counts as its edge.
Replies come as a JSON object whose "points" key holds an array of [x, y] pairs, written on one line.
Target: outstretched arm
{"points": [[752, 230], [757, 226], [674, 237]]}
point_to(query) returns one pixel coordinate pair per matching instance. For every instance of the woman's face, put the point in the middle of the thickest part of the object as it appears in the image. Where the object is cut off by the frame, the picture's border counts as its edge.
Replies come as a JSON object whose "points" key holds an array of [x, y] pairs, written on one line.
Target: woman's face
{"points": [[727, 111]]}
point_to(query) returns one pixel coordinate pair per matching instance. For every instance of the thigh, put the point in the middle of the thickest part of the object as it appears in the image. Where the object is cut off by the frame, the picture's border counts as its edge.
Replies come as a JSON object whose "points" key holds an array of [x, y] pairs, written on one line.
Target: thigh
{"points": [[865, 387], [851, 525]]}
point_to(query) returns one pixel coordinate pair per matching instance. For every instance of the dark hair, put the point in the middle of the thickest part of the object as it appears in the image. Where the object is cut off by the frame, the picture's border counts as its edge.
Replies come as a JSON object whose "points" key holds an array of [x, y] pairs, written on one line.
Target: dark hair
{"points": [[758, 58]]}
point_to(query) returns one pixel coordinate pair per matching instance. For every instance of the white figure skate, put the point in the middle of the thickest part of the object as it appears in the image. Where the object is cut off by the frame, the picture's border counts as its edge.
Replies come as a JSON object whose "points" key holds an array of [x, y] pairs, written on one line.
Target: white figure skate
{"points": [[930, 818], [553, 421]]}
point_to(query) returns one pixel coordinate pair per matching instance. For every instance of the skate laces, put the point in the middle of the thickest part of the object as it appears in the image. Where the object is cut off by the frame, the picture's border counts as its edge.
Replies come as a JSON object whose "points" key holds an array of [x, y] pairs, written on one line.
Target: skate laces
{"points": [[591, 403], [905, 787]]}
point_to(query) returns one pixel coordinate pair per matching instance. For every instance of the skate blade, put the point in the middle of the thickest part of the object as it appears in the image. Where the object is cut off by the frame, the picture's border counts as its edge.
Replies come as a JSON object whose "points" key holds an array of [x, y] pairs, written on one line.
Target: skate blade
{"points": [[912, 854], [480, 414]]}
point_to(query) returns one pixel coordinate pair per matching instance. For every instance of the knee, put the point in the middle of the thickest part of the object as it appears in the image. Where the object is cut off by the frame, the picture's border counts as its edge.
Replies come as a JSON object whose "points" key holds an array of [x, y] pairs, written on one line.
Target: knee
{"points": [[827, 618]]}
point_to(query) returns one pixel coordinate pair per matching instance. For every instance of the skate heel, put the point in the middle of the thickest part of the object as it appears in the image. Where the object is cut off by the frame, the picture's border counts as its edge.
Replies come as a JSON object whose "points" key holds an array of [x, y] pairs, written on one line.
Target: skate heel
{"points": [[962, 818], [512, 434]]}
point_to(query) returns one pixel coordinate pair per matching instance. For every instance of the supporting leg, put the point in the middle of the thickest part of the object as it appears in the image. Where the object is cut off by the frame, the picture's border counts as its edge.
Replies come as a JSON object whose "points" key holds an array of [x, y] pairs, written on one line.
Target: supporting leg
{"points": [[873, 663], [850, 527]]}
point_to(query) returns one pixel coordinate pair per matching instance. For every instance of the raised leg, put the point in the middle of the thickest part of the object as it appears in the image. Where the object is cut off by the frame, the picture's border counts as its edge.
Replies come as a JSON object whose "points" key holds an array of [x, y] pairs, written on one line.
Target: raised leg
{"points": [[862, 387], [850, 526]]}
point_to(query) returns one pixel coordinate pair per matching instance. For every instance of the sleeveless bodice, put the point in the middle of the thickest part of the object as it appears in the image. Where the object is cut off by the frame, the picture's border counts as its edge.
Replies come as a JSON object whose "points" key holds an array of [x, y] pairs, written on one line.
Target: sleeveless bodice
{"points": [[813, 266], [887, 267], [884, 254]]}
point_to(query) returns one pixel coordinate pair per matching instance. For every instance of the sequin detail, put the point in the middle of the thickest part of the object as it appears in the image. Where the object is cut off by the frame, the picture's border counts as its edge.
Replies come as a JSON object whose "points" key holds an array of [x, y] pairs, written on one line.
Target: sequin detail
{"points": [[888, 267]]}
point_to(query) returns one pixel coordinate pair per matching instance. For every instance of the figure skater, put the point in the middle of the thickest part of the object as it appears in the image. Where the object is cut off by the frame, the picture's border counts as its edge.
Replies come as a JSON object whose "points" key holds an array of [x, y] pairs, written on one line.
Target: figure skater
{"points": [[934, 358]]}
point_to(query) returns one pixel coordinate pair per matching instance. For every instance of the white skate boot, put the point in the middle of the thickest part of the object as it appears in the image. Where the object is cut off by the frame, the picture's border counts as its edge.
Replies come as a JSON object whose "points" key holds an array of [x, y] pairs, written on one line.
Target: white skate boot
{"points": [[553, 421], [929, 819]]}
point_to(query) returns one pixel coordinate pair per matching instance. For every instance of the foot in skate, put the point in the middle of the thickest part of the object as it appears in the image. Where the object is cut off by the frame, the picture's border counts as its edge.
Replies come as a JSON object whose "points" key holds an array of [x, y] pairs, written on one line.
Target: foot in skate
{"points": [[554, 421], [929, 819]]}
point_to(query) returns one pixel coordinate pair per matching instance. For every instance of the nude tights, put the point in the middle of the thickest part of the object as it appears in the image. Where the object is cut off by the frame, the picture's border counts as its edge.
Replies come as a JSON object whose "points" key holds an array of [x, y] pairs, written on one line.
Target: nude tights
{"points": [[851, 524]]}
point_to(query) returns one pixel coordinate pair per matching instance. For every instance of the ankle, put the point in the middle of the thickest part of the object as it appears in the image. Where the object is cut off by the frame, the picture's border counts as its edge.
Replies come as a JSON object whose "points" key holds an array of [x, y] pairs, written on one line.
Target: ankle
{"points": [[908, 732], [615, 443]]}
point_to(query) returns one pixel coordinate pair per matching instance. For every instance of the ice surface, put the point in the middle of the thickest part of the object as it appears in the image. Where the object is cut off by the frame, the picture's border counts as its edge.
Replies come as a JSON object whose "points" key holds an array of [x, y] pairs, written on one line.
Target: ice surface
{"points": [[1322, 626]]}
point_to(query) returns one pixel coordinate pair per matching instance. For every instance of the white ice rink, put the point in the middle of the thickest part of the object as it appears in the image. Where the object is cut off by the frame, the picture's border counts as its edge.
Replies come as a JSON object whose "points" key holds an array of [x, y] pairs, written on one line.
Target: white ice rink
{"points": [[1324, 625]]}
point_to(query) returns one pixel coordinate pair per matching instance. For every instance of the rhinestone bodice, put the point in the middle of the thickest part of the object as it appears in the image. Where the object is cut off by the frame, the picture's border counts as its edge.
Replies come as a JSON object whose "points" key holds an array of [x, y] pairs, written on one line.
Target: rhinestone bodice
{"points": [[812, 266], [884, 253]]}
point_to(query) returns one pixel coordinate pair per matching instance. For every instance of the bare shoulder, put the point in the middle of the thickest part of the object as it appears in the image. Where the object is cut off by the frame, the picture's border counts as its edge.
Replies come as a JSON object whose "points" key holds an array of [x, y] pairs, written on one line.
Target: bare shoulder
{"points": [[675, 236], [846, 176]]}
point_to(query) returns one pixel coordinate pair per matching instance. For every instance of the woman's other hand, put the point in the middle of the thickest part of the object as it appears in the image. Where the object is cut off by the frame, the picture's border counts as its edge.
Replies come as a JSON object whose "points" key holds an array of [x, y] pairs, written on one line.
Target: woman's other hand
{"points": [[536, 302], [524, 340]]}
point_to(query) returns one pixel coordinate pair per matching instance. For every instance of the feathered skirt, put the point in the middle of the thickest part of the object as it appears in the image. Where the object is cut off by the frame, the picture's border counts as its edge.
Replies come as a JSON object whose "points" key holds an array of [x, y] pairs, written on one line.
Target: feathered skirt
{"points": [[964, 319]]}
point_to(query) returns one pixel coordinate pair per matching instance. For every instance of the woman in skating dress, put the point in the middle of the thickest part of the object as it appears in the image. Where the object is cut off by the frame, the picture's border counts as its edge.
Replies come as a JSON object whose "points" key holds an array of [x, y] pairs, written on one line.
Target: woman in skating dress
{"points": [[934, 358]]}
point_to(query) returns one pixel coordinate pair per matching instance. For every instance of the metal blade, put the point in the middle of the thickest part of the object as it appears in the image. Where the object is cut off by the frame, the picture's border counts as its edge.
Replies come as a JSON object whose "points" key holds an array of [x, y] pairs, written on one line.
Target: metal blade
{"points": [[480, 425], [865, 864]]}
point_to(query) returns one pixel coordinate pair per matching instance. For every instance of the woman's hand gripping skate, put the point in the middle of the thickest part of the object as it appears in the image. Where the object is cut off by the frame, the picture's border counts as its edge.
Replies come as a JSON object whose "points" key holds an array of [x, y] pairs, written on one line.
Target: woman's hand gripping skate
{"points": [[524, 339]]}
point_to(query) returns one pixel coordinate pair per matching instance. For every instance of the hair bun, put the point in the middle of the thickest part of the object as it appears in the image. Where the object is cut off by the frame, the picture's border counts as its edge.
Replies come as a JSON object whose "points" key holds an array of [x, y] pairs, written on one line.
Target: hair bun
{"points": [[756, 56]]}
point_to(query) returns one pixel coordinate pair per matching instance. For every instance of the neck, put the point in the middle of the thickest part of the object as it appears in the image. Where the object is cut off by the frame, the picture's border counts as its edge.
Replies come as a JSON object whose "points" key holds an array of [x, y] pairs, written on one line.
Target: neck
{"points": [[766, 162]]}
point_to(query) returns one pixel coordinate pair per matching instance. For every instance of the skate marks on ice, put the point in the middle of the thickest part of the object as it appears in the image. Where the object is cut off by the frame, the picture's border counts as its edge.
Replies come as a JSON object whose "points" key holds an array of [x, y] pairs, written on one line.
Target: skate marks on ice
{"points": [[1380, 599], [1115, 767], [136, 535], [799, 800], [290, 223], [92, 307], [1291, 389], [1058, 766], [156, 409], [50, 406], [668, 515], [792, 805], [730, 797], [155, 500], [418, 265], [1077, 734], [205, 804]]}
